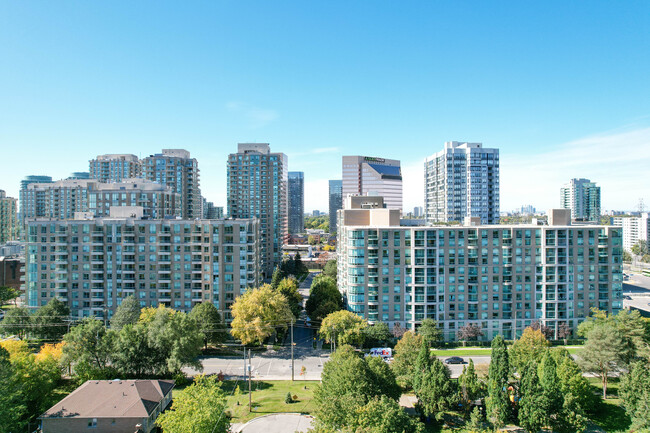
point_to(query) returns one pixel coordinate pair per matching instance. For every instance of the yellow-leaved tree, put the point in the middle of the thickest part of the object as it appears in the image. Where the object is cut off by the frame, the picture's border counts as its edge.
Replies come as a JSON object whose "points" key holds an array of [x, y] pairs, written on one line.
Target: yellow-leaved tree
{"points": [[258, 313]]}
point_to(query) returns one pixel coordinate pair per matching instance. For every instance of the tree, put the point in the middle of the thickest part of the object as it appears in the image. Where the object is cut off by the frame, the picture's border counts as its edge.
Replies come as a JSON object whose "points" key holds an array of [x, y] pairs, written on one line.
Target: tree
{"points": [[200, 408], [176, 338], [132, 356], [404, 357], [377, 334], [398, 331], [50, 320], [330, 269], [422, 367], [278, 275], [383, 415], [17, 321], [469, 332], [258, 313], [578, 396], [209, 321], [384, 378], [531, 409], [470, 387], [435, 391], [635, 392], [324, 298], [88, 348], [128, 312], [346, 385], [344, 327], [497, 404], [552, 401], [8, 294], [300, 267], [627, 257], [12, 407], [546, 331], [602, 352], [430, 332], [530, 347], [564, 332], [640, 248], [288, 287]]}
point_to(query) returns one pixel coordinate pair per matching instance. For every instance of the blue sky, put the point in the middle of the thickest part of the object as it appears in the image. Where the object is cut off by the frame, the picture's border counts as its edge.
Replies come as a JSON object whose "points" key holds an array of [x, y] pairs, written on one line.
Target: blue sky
{"points": [[561, 88]]}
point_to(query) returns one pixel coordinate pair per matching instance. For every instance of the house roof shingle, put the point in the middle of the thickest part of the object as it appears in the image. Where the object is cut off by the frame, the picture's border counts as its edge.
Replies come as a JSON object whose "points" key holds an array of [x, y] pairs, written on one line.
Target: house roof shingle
{"points": [[112, 399]]}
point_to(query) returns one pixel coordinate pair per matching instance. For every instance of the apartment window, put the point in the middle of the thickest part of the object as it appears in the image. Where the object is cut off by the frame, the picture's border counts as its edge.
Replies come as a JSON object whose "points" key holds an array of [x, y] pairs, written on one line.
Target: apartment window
{"points": [[92, 423]]}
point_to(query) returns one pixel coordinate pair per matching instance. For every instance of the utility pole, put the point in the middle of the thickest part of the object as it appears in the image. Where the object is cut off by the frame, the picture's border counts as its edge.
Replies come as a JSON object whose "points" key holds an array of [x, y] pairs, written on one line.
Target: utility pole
{"points": [[292, 349], [250, 387]]}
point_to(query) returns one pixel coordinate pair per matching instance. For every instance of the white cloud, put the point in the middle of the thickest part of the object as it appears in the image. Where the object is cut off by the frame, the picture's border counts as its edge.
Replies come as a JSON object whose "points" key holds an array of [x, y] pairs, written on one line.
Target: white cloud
{"points": [[257, 117], [618, 161]]}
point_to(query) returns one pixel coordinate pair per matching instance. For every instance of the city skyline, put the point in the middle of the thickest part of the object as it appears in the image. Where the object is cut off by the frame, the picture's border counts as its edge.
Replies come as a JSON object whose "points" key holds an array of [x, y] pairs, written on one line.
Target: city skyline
{"points": [[558, 96]]}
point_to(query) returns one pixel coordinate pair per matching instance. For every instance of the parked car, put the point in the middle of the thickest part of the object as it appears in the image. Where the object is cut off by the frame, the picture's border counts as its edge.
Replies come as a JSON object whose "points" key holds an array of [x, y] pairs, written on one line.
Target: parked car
{"points": [[454, 360]]}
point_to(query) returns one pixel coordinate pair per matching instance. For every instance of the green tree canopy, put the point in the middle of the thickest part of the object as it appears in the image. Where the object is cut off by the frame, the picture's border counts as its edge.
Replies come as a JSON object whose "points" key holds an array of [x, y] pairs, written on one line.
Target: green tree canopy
{"points": [[530, 347], [17, 321], [436, 392], [404, 357], [430, 332], [602, 353], [258, 313], [324, 298], [278, 275], [377, 334], [330, 269], [128, 312], [470, 388], [532, 416], [383, 415], [200, 408], [88, 348], [498, 404], [208, 319], [346, 384], [51, 321], [12, 406], [635, 392], [8, 294], [383, 377], [343, 326], [288, 287]]}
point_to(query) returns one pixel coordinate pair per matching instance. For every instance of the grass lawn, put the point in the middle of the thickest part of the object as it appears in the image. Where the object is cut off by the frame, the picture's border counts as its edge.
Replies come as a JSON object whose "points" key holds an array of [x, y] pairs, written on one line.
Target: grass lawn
{"points": [[575, 350], [610, 415], [268, 397], [464, 351]]}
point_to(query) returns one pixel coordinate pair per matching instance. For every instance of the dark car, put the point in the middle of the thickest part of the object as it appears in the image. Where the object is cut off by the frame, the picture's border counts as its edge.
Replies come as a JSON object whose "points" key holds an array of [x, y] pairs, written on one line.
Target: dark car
{"points": [[454, 360]]}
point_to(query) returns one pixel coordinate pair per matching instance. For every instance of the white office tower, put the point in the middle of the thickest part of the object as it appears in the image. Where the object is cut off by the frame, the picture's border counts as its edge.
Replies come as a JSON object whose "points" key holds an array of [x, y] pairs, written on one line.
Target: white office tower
{"points": [[582, 196], [462, 181], [366, 175]]}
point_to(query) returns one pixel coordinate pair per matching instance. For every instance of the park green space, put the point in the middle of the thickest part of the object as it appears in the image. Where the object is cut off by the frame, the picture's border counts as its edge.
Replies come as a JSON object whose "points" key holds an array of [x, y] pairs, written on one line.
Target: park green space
{"points": [[268, 397]]}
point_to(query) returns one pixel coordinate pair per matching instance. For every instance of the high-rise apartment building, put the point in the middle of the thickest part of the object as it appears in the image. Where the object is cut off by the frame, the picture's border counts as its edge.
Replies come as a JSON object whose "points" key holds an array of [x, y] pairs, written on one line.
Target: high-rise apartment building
{"points": [[79, 175], [296, 202], [61, 199], [635, 229], [155, 199], [22, 195], [582, 196], [212, 212], [366, 175], [176, 169], [92, 265], [9, 229], [115, 168], [257, 188], [499, 277], [335, 201], [462, 180]]}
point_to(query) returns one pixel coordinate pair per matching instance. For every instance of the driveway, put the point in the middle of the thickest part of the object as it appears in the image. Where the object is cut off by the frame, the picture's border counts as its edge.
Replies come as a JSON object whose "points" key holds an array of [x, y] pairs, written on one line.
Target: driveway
{"points": [[277, 423]]}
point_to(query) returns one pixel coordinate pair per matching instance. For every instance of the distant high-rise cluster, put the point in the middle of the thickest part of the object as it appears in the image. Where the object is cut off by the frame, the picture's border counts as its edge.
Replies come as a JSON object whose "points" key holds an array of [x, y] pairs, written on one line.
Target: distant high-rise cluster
{"points": [[462, 181], [582, 196], [115, 168], [8, 218], [296, 208], [335, 201]]}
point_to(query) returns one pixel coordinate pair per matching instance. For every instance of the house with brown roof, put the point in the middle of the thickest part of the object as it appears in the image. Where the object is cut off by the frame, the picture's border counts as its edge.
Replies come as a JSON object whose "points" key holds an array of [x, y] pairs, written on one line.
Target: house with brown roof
{"points": [[110, 406]]}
